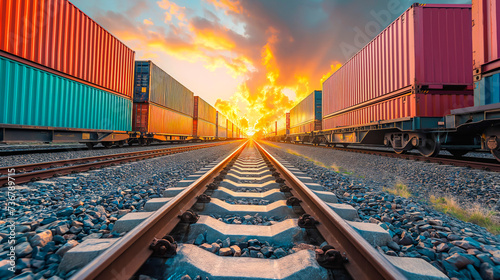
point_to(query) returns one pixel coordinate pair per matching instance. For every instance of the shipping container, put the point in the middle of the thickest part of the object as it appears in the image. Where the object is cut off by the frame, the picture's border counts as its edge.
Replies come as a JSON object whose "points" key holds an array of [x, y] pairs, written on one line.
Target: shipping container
{"points": [[486, 54], [432, 104], [203, 110], [486, 35], [152, 118], [33, 97], [221, 125], [203, 129], [429, 47], [221, 120], [154, 85], [57, 35], [229, 129], [306, 115], [487, 90]]}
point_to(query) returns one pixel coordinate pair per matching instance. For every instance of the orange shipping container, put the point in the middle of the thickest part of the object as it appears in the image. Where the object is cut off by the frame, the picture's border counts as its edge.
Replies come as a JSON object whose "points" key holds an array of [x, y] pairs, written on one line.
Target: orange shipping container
{"points": [[148, 117], [204, 128]]}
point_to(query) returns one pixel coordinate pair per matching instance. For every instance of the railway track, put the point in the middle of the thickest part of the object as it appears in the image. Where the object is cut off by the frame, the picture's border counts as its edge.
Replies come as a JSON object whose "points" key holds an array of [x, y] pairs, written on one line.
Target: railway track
{"points": [[43, 170], [159, 241], [477, 163]]}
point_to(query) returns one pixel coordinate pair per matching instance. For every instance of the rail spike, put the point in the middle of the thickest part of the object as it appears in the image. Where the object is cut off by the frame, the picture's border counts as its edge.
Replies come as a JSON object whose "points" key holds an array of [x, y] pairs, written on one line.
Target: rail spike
{"points": [[189, 217], [203, 198], [285, 188], [164, 248], [330, 258], [293, 201], [307, 221]]}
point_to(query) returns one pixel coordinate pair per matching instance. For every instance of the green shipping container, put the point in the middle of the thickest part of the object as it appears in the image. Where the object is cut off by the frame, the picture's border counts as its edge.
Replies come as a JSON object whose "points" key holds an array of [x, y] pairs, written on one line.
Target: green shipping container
{"points": [[30, 96]]}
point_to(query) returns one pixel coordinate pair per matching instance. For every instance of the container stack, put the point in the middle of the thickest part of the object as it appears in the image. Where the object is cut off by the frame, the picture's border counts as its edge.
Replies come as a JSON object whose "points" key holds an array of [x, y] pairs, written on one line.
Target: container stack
{"points": [[62, 71], [162, 105], [416, 67], [204, 120], [486, 56]]}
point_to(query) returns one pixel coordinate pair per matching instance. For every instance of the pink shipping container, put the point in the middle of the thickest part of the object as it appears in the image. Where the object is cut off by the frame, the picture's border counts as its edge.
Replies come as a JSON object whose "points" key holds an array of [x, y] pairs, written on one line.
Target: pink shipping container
{"points": [[57, 35], [427, 49], [486, 35], [152, 118], [433, 104]]}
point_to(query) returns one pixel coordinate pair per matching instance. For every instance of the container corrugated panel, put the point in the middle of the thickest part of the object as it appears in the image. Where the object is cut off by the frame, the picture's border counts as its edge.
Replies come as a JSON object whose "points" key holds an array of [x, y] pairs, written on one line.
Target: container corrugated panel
{"points": [[303, 128], [152, 118], [229, 129], [428, 46], [205, 111], [302, 112], [205, 129], [406, 106], [487, 90], [221, 120], [152, 84], [30, 96], [486, 31], [221, 132], [56, 34]]}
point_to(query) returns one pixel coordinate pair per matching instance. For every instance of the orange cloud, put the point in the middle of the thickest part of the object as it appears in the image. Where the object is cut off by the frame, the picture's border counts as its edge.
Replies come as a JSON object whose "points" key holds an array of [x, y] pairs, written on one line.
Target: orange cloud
{"points": [[227, 5], [270, 57], [334, 67], [172, 10]]}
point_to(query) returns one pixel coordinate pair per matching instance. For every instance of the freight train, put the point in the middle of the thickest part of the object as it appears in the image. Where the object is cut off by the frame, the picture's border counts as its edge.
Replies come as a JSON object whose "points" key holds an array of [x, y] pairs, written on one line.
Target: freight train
{"points": [[64, 78], [430, 80]]}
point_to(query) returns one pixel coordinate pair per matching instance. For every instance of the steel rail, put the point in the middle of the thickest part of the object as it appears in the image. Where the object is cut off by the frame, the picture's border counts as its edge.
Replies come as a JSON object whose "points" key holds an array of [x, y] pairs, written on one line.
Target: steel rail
{"points": [[483, 165], [364, 261], [96, 162], [127, 255]]}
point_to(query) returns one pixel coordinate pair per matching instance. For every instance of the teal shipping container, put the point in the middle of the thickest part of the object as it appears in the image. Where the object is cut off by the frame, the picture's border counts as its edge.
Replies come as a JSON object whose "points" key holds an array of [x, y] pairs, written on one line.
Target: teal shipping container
{"points": [[487, 90], [33, 97]]}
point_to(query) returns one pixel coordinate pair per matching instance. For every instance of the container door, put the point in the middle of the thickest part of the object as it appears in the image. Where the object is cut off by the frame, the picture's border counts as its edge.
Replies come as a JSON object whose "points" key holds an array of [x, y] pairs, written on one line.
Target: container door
{"points": [[142, 78]]}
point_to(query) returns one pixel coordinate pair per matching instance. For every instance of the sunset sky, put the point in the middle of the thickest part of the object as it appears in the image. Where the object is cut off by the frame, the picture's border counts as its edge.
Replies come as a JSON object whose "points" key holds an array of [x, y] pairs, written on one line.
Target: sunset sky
{"points": [[252, 59]]}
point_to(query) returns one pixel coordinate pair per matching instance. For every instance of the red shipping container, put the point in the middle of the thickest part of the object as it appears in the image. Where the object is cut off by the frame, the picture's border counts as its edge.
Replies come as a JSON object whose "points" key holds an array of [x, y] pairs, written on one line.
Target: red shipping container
{"points": [[431, 104], [428, 47], [148, 117], [486, 35], [57, 35]]}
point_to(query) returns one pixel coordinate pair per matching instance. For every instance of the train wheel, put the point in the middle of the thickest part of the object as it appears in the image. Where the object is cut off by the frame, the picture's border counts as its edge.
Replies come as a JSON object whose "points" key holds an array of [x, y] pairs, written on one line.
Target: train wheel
{"points": [[120, 144], [430, 146], [458, 153], [400, 151], [90, 145], [345, 145], [496, 154], [107, 145]]}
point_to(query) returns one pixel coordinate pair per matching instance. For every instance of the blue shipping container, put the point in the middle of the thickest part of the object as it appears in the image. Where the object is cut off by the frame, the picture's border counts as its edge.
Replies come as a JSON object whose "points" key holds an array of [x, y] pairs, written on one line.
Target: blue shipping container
{"points": [[487, 90], [31, 96]]}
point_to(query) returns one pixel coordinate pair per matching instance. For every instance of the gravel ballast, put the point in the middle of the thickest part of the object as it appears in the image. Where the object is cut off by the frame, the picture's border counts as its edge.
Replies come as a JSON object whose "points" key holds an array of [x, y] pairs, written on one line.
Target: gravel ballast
{"points": [[461, 250], [53, 217], [71, 154]]}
